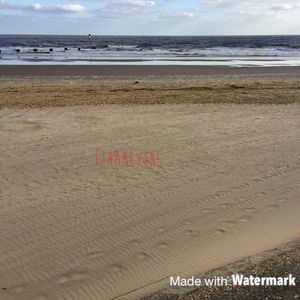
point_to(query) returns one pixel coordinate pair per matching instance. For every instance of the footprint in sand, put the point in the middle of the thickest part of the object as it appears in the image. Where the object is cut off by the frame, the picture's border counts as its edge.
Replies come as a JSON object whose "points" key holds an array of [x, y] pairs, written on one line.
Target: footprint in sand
{"points": [[116, 269], [70, 277], [18, 289], [161, 230], [63, 279], [41, 297], [220, 231], [142, 256], [251, 210], [207, 210], [34, 184], [228, 224], [245, 218], [224, 205], [260, 195], [187, 223], [283, 200], [188, 232], [162, 245], [95, 254], [22, 125], [134, 243], [272, 207]]}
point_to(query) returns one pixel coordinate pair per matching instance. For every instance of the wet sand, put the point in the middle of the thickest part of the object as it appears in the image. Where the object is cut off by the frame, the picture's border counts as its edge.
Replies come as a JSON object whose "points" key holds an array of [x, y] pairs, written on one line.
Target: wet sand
{"points": [[127, 71]]}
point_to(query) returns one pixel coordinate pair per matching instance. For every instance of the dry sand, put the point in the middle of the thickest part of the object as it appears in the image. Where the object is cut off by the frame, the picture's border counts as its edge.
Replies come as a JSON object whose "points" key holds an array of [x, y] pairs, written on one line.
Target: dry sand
{"points": [[275, 263], [229, 188]]}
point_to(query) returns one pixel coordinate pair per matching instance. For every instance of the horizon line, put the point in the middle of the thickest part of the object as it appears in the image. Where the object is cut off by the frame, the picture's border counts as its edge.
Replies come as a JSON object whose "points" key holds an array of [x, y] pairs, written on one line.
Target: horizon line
{"points": [[179, 35]]}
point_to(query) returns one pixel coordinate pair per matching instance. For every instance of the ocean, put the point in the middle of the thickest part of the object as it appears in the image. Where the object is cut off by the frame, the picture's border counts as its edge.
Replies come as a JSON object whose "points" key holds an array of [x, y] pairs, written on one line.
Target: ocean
{"points": [[235, 51]]}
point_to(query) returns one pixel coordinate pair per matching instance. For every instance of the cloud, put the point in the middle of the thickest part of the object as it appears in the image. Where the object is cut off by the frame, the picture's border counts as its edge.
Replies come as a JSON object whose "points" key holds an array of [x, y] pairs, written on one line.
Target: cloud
{"points": [[134, 3], [152, 16], [261, 8], [284, 7], [139, 9], [125, 8], [69, 8], [289, 4], [37, 7], [176, 15]]}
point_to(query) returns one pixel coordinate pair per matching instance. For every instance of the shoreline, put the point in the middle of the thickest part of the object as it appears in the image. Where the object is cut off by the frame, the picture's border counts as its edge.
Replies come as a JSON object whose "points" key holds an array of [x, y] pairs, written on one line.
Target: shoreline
{"points": [[128, 71]]}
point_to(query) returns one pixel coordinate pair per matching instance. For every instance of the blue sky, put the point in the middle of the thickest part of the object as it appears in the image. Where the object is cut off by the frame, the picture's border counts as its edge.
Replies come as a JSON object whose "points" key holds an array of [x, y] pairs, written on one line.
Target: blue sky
{"points": [[182, 17]]}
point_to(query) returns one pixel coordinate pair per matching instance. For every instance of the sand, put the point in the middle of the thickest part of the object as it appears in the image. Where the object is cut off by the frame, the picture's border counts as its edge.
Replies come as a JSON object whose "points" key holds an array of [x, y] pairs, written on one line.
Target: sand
{"points": [[40, 71], [59, 92], [278, 262], [228, 189]]}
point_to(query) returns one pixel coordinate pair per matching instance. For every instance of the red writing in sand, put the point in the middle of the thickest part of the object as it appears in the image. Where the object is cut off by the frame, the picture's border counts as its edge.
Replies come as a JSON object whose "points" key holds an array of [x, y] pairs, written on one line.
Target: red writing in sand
{"points": [[124, 158]]}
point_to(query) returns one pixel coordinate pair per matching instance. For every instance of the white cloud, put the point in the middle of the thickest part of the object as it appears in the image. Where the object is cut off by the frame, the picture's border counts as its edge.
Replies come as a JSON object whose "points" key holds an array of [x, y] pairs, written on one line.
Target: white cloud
{"points": [[283, 6], [267, 8], [134, 3], [176, 15], [37, 7], [186, 14], [3, 3], [70, 8], [129, 8]]}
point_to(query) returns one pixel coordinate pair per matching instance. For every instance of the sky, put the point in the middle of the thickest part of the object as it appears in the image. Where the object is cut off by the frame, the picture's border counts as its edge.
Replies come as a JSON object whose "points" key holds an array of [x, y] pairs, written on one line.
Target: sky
{"points": [[150, 17]]}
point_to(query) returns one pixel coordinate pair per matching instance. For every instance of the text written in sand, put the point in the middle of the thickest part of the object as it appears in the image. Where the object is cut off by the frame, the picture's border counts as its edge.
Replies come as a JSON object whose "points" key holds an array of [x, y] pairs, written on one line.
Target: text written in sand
{"points": [[124, 158]]}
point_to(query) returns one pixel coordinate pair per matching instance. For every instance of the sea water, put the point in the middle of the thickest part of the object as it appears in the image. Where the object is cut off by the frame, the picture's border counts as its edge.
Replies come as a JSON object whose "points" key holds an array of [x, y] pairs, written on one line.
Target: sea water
{"points": [[235, 51]]}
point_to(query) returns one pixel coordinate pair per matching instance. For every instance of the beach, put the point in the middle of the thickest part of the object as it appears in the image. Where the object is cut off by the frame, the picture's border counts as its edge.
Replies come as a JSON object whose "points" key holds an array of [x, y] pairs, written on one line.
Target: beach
{"points": [[128, 71], [213, 180], [58, 86]]}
